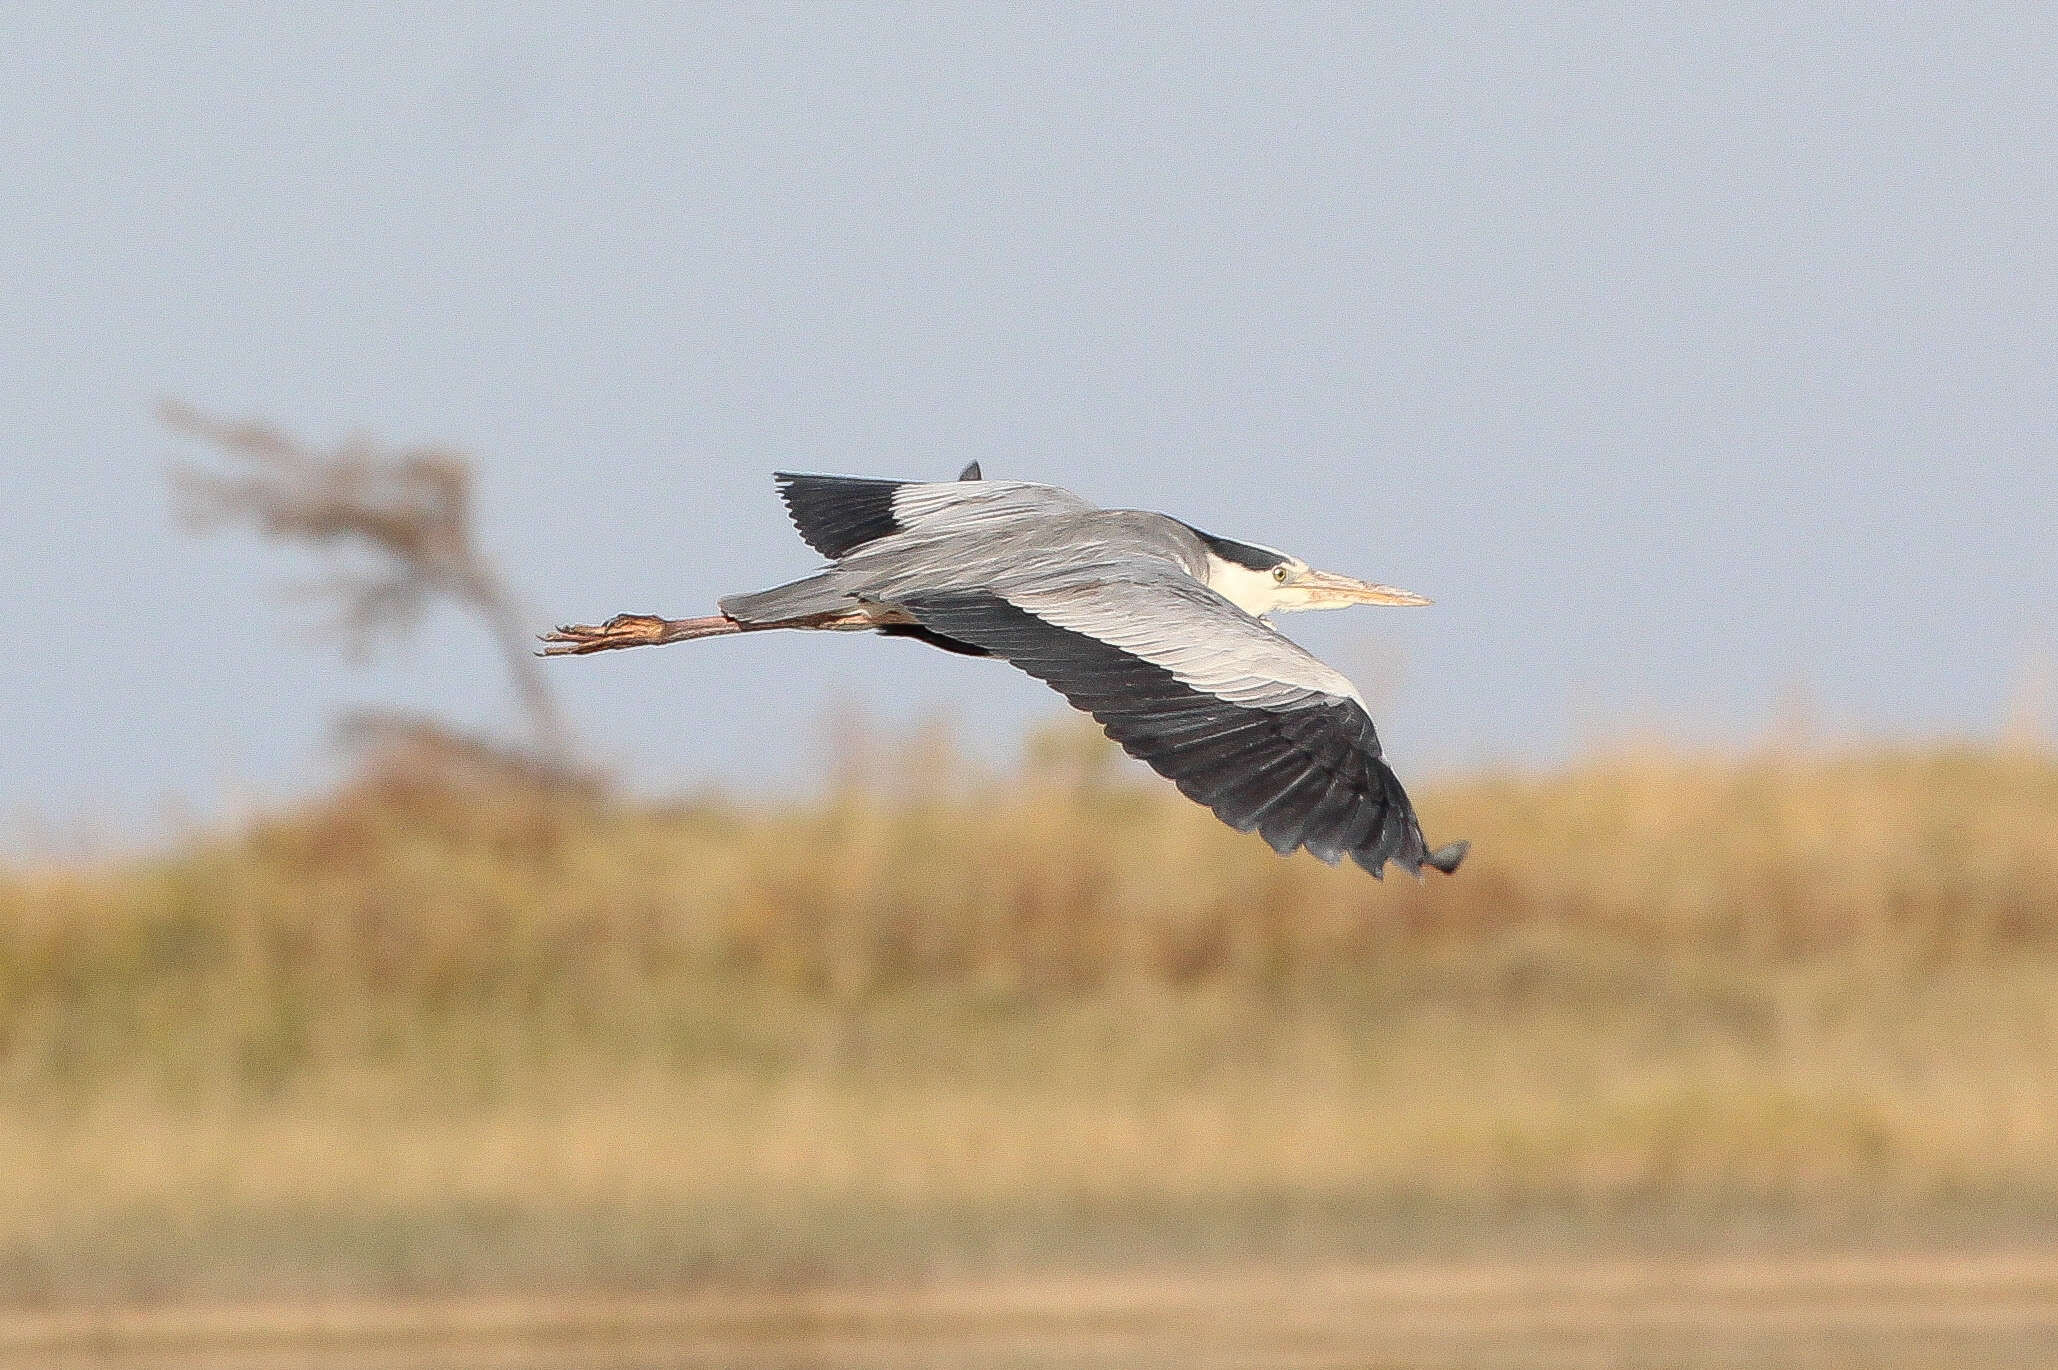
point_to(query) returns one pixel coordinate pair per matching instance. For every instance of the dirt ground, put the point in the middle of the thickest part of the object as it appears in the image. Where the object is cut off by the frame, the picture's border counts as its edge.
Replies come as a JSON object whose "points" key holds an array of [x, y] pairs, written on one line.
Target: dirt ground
{"points": [[1870, 1310]]}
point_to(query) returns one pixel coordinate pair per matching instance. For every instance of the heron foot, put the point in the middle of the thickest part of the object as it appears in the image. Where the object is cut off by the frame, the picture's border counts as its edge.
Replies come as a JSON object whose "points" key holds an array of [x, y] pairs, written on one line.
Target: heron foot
{"points": [[623, 630]]}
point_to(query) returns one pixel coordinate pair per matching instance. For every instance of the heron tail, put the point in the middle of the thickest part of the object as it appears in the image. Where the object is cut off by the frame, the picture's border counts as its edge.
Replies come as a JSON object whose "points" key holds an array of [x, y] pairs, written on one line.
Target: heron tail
{"points": [[811, 597]]}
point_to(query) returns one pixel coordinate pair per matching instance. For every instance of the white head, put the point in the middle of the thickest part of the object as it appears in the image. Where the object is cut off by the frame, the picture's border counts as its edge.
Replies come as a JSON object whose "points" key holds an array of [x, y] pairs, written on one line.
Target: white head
{"points": [[1264, 580]]}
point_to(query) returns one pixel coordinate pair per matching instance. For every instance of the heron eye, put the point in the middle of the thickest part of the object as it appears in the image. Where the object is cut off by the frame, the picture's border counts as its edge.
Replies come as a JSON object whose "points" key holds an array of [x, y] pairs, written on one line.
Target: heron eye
{"points": [[1279, 574]]}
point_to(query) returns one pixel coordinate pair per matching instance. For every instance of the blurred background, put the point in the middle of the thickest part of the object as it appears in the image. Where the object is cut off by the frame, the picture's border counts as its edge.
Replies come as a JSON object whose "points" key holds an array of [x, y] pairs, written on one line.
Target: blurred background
{"points": [[367, 983]]}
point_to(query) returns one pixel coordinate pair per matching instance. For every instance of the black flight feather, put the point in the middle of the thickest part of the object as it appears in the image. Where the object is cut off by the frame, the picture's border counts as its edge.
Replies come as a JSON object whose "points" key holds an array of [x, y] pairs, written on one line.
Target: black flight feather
{"points": [[837, 514]]}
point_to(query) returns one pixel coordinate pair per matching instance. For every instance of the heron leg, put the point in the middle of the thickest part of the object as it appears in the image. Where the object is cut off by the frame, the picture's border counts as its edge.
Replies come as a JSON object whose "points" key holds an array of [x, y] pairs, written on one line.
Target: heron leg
{"points": [[648, 630], [635, 630]]}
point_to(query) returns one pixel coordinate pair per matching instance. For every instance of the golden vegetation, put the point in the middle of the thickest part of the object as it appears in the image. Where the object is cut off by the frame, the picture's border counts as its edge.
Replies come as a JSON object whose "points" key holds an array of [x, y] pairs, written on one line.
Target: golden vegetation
{"points": [[437, 1035]]}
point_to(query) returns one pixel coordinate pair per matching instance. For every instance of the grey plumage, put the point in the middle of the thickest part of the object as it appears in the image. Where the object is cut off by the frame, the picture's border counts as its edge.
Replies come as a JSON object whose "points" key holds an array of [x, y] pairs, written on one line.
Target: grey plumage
{"points": [[1129, 615]]}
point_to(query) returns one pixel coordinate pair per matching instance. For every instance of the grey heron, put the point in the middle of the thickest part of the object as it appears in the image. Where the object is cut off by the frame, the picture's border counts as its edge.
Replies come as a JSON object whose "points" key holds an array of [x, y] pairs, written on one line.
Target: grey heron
{"points": [[1158, 630]]}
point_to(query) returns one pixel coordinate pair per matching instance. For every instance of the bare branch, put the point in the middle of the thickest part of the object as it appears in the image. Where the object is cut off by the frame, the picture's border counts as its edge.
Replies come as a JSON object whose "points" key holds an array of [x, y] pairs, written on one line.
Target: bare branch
{"points": [[414, 506], [410, 509]]}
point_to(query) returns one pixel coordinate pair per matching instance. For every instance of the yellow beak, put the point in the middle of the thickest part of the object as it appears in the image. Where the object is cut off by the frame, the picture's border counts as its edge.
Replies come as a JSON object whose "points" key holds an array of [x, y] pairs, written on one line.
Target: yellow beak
{"points": [[1330, 590]]}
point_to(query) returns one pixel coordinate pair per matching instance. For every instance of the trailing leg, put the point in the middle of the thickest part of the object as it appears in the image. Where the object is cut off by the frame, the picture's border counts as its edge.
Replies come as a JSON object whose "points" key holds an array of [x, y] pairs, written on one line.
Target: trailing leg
{"points": [[637, 630]]}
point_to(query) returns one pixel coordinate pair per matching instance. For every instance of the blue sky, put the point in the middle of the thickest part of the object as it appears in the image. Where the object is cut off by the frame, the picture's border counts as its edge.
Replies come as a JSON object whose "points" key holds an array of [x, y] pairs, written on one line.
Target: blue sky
{"points": [[1687, 362]]}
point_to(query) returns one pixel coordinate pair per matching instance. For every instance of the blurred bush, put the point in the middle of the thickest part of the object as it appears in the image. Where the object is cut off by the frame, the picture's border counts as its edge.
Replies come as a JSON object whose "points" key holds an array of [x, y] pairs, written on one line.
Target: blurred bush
{"points": [[430, 898]]}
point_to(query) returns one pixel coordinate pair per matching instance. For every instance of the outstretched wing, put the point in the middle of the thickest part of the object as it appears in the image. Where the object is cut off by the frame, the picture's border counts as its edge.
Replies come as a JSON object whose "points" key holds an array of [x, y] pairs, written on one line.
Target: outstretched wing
{"points": [[1240, 718], [836, 515]]}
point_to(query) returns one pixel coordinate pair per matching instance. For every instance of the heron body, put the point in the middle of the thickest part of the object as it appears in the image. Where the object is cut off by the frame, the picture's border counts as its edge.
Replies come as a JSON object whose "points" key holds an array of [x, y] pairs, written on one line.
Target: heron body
{"points": [[1156, 629]]}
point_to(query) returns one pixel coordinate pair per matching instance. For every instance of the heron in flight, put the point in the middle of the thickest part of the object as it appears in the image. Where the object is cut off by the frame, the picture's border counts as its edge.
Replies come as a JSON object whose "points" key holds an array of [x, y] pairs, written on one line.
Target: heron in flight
{"points": [[1158, 630]]}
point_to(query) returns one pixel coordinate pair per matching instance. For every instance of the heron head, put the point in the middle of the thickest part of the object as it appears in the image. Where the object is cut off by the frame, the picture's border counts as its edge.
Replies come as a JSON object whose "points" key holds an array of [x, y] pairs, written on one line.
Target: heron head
{"points": [[1264, 580]]}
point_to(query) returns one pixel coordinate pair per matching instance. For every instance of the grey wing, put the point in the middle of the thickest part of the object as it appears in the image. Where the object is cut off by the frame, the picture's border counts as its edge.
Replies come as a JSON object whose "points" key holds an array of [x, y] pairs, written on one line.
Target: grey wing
{"points": [[1241, 719], [891, 538], [836, 515]]}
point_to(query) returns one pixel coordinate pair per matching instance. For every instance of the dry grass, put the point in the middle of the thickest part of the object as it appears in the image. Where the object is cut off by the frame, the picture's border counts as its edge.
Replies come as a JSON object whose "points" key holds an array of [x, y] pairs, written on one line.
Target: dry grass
{"points": [[1872, 1311], [416, 1038]]}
